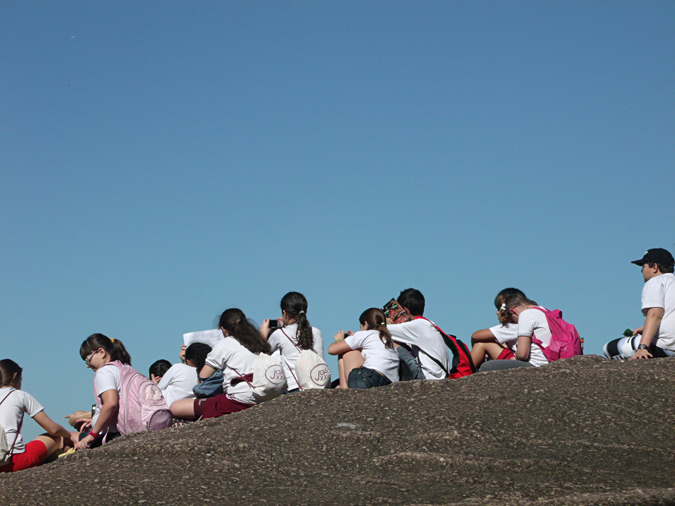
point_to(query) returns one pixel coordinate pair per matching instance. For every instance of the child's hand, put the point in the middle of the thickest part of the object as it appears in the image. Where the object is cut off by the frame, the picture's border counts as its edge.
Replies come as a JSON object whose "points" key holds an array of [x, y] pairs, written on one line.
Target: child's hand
{"points": [[638, 330], [349, 333], [181, 354], [340, 336], [84, 442], [72, 441], [641, 354], [78, 417], [265, 328]]}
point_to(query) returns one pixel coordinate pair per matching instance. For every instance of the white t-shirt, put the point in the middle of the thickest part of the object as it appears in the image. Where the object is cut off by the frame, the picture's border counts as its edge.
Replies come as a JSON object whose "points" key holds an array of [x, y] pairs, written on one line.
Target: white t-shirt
{"points": [[107, 378], [177, 383], [11, 411], [533, 321], [660, 292], [227, 355], [506, 334], [375, 355], [423, 334], [289, 351]]}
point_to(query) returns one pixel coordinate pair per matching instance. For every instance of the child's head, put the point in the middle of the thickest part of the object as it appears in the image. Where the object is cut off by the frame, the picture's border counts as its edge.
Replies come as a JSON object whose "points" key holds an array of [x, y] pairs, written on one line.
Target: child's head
{"points": [[412, 300], [195, 355], [10, 373], [233, 322], [294, 308], [658, 261], [501, 296], [158, 370], [374, 319], [513, 301], [112, 348]]}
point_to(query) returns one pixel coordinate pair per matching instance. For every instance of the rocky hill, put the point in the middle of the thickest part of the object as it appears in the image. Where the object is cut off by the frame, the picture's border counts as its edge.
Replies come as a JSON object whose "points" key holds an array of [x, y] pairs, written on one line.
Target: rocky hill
{"points": [[580, 431]]}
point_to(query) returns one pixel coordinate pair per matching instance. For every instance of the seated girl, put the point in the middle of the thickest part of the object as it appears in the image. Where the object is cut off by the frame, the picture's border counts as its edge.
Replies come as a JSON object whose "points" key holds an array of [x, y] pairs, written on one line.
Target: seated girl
{"points": [[531, 324], [236, 357], [496, 342], [14, 402], [367, 358], [295, 336]]}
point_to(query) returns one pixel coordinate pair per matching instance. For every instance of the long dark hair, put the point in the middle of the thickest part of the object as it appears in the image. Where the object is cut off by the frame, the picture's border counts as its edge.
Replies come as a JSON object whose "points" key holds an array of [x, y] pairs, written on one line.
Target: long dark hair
{"points": [[376, 320], [295, 305], [234, 321], [113, 347], [8, 370]]}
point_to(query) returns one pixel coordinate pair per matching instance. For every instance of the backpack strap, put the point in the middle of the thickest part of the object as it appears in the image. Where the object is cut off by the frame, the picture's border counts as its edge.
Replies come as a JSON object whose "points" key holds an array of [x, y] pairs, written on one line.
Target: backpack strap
{"points": [[457, 347], [291, 340], [436, 361], [287, 364], [18, 430], [241, 376]]}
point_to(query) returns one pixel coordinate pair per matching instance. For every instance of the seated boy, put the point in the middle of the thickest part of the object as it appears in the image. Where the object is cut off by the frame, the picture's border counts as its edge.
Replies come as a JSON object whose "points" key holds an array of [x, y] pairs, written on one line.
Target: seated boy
{"points": [[657, 337], [433, 353]]}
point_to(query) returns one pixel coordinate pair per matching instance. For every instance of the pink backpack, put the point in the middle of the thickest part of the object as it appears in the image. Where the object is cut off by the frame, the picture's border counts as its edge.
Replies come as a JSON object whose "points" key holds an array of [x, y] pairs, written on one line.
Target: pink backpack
{"points": [[141, 404], [565, 340]]}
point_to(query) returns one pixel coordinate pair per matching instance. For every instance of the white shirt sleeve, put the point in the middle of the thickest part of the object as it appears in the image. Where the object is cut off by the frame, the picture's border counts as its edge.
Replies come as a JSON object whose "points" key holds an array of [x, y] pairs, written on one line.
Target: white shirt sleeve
{"points": [[107, 378], [653, 295]]}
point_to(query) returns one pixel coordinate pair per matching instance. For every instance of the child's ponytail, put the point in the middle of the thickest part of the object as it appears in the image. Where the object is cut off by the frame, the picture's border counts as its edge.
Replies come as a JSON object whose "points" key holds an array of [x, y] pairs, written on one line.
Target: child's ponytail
{"points": [[375, 319], [295, 305], [113, 347], [237, 325]]}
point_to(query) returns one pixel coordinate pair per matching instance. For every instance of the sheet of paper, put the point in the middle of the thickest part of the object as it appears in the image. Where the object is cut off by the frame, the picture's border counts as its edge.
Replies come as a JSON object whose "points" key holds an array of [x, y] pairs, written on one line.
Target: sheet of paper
{"points": [[210, 337]]}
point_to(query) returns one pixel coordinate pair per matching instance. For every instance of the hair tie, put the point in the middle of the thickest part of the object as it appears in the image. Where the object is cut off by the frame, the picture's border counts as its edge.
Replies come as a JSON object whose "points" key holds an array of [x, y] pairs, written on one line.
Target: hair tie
{"points": [[503, 308], [238, 320], [383, 323], [301, 312], [112, 340]]}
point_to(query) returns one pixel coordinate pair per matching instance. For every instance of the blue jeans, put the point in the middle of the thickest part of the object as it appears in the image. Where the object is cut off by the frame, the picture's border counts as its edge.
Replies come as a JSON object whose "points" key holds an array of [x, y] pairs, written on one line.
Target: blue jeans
{"points": [[364, 378]]}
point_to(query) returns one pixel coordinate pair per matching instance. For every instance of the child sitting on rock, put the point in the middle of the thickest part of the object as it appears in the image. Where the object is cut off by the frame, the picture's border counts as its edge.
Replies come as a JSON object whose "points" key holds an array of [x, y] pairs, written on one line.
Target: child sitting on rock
{"points": [[657, 337], [496, 343], [367, 358]]}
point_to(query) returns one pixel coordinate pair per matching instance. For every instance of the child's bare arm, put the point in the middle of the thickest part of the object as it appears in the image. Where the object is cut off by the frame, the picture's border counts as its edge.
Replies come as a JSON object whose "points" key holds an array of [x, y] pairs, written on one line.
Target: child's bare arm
{"points": [[652, 323]]}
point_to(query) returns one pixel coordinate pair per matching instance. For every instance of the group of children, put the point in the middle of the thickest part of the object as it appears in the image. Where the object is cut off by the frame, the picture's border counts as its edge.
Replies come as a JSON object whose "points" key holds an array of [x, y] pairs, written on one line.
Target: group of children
{"points": [[214, 381]]}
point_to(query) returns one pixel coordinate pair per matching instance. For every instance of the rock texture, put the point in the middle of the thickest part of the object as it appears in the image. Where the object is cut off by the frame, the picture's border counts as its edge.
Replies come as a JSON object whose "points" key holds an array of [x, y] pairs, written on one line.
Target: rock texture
{"points": [[580, 431]]}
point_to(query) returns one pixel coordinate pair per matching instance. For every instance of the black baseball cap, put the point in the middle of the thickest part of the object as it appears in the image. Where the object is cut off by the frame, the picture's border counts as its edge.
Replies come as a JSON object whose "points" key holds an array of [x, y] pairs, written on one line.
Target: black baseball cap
{"points": [[655, 256]]}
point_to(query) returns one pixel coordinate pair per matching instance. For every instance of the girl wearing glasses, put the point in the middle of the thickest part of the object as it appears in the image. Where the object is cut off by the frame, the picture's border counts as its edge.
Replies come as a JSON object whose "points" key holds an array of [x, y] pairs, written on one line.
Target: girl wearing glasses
{"points": [[96, 351], [13, 404]]}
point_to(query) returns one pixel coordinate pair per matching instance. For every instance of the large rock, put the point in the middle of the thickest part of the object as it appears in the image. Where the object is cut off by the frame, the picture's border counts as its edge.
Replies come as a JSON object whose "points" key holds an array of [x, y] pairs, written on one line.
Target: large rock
{"points": [[580, 431]]}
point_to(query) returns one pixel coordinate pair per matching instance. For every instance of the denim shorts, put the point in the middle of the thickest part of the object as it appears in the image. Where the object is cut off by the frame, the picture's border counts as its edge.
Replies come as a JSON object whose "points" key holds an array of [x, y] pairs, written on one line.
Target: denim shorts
{"points": [[363, 378]]}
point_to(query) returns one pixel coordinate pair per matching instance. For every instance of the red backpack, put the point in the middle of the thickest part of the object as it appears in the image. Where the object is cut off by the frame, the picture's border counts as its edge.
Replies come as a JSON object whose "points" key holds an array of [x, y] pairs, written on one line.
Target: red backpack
{"points": [[565, 340], [462, 365]]}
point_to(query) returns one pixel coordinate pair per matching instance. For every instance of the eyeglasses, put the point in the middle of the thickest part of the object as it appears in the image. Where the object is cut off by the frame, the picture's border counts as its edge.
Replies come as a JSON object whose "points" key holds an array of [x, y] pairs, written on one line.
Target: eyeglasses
{"points": [[87, 360]]}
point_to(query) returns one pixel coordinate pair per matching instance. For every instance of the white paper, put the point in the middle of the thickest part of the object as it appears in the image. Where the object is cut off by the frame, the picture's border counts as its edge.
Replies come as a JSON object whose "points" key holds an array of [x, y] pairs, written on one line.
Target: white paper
{"points": [[210, 337]]}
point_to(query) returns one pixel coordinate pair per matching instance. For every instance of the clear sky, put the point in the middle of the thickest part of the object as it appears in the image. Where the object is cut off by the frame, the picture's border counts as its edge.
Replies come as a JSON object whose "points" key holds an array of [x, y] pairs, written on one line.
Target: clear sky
{"points": [[163, 161]]}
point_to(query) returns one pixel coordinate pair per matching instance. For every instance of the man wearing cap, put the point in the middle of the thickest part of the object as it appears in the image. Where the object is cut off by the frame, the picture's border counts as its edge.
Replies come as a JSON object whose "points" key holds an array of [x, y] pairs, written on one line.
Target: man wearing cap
{"points": [[657, 337]]}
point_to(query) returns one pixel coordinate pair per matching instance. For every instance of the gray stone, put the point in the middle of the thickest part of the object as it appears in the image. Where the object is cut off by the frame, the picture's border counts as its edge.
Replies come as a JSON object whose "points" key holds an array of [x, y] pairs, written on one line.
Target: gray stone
{"points": [[580, 431]]}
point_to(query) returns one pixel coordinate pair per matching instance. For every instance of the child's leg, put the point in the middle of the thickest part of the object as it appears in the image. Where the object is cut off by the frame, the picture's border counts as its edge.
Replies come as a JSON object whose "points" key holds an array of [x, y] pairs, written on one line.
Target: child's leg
{"points": [[350, 360], [184, 408], [479, 350], [52, 443]]}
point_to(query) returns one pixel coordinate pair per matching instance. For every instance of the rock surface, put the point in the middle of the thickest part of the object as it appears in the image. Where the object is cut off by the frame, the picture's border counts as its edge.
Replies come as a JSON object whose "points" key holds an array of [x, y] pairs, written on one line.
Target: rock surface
{"points": [[580, 431]]}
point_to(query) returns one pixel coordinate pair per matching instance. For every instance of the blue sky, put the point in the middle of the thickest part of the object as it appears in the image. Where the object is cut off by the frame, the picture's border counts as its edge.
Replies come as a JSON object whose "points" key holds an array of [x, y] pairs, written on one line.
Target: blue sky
{"points": [[163, 161]]}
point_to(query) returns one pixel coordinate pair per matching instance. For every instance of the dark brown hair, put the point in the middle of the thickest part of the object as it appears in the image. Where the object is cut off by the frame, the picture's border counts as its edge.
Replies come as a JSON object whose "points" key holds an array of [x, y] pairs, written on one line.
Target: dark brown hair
{"points": [[295, 305], [8, 370], [234, 321], [375, 319], [113, 347]]}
